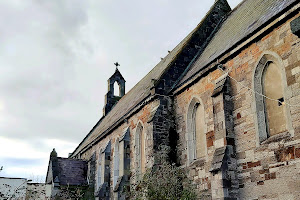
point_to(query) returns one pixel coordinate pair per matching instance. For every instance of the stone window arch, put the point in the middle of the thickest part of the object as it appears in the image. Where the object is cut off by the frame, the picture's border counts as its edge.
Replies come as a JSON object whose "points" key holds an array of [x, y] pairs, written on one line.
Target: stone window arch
{"points": [[140, 142], [116, 162], [272, 117], [122, 164], [99, 169], [196, 138]]}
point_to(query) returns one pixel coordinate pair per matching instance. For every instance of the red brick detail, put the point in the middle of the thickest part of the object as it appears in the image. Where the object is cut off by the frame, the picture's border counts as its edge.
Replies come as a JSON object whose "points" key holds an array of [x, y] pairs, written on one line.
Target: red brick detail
{"points": [[253, 164], [279, 165], [266, 37], [263, 171], [285, 154], [238, 116], [273, 175], [210, 137], [132, 125], [209, 86], [297, 152], [260, 183], [244, 165], [270, 176]]}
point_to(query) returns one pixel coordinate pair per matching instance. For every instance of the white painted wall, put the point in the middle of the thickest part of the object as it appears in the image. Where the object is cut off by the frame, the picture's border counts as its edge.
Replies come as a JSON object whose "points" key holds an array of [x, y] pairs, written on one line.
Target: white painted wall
{"points": [[14, 188], [38, 191], [20, 189]]}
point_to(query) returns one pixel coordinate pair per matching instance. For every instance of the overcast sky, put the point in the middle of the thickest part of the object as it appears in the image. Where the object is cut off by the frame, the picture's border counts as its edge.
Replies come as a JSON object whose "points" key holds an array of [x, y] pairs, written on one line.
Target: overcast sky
{"points": [[56, 57]]}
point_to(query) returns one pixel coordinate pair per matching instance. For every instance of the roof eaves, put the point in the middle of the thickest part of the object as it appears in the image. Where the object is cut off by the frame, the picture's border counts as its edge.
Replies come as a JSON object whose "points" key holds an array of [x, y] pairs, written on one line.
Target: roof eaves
{"points": [[180, 87]]}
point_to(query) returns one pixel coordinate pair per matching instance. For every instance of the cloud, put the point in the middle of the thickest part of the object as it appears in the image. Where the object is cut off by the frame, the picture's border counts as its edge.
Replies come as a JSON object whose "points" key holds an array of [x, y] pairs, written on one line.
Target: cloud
{"points": [[56, 57], [25, 162], [13, 148], [21, 158]]}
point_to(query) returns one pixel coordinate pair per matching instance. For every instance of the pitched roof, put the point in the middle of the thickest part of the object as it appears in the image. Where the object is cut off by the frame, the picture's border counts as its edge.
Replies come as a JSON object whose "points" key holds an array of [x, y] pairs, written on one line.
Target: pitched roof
{"points": [[244, 19], [132, 98], [142, 89], [247, 17]]}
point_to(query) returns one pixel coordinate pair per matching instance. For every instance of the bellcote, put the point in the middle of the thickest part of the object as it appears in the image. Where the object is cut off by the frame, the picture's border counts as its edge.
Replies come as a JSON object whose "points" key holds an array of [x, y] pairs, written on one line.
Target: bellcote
{"points": [[110, 98]]}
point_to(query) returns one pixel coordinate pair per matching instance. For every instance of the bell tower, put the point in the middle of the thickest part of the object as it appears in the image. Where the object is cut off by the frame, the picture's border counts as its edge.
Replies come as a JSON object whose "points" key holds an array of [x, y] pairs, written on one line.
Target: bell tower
{"points": [[110, 98]]}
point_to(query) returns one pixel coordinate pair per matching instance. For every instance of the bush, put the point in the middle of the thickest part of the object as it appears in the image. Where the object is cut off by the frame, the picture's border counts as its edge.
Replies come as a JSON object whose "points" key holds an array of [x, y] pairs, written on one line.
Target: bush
{"points": [[164, 181]]}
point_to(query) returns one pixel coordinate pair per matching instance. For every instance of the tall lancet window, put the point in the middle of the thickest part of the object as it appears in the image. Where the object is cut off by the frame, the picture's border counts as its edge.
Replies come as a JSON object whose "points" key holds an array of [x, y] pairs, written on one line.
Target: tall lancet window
{"points": [[116, 162], [121, 164], [269, 84], [140, 149], [99, 170], [196, 138], [275, 111]]}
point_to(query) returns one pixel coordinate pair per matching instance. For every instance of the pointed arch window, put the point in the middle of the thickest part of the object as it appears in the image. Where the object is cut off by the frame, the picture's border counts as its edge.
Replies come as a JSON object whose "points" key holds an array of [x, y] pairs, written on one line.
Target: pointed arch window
{"points": [[116, 162], [117, 89], [196, 138], [99, 170], [121, 164], [271, 113], [140, 149]]}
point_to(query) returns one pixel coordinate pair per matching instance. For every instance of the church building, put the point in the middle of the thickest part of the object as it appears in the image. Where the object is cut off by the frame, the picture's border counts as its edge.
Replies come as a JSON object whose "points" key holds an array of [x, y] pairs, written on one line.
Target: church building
{"points": [[225, 101]]}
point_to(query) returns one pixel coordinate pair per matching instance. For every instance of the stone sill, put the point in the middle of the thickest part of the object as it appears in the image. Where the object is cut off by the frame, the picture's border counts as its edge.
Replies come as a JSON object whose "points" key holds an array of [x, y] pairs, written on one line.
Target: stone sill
{"points": [[198, 162], [277, 137]]}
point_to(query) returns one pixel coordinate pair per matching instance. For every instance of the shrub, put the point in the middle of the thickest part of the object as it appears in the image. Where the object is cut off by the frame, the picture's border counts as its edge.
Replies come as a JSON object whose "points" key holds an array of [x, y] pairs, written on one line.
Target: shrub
{"points": [[164, 181]]}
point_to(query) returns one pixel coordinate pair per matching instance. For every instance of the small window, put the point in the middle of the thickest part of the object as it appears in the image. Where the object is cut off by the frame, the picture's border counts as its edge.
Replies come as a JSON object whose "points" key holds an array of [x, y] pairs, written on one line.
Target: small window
{"points": [[116, 89]]}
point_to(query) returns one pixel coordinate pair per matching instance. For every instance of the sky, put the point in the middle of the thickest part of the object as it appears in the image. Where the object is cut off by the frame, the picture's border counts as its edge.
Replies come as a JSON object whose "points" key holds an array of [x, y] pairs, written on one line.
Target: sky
{"points": [[56, 57]]}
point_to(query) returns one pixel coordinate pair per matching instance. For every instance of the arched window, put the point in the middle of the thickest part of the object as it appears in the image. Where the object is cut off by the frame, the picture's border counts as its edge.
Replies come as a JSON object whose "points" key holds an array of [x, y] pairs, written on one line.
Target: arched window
{"points": [[196, 138], [99, 170], [116, 163], [275, 111], [116, 89], [124, 152], [269, 85], [140, 149]]}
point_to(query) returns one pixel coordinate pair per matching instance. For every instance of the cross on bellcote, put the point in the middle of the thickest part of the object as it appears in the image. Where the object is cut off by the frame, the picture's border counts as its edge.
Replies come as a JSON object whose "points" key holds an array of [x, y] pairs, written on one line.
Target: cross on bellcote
{"points": [[117, 64]]}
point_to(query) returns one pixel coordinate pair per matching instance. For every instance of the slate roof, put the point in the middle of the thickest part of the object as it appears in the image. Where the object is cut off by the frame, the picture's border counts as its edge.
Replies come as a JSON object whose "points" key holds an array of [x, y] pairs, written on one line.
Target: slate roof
{"points": [[138, 93], [71, 171], [132, 98], [247, 17]]}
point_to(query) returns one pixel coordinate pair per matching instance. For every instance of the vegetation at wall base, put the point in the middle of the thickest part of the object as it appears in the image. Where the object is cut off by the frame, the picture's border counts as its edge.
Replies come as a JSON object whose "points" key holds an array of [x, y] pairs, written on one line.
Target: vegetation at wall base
{"points": [[164, 181]]}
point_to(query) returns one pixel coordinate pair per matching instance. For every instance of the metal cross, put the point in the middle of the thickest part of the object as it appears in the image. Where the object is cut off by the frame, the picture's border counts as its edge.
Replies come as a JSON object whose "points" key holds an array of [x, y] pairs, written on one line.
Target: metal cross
{"points": [[117, 64]]}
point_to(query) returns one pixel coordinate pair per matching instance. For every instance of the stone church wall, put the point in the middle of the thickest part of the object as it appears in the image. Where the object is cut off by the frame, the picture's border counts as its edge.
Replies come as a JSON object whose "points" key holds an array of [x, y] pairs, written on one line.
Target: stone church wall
{"points": [[265, 170], [236, 162], [143, 117], [269, 170]]}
